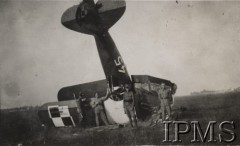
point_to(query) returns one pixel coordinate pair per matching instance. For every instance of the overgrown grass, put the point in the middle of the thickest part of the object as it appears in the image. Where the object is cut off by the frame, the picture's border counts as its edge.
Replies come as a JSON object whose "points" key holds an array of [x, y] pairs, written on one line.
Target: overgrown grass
{"points": [[23, 126], [18, 125]]}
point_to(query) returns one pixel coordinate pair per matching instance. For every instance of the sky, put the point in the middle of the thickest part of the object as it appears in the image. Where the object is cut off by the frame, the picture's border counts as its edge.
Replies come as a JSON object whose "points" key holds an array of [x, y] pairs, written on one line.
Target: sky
{"points": [[193, 44]]}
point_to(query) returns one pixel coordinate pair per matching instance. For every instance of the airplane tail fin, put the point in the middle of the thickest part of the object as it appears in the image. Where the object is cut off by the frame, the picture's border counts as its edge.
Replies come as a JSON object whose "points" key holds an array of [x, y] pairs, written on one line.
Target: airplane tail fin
{"points": [[93, 18]]}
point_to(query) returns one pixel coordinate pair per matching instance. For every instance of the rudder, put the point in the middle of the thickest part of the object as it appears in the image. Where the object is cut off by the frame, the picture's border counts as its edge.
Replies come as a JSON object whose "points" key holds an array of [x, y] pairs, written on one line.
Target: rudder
{"points": [[91, 18]]}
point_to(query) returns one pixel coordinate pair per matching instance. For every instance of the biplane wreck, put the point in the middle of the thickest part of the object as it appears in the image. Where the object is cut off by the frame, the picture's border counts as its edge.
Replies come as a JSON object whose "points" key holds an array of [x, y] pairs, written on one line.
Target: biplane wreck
{"points": [[96, 19]]}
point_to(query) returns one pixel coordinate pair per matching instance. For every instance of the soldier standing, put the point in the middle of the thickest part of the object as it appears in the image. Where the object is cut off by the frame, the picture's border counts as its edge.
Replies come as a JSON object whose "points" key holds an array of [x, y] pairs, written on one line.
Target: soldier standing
{"points": [[97, 104], [79, 109], [128, 105], [163, 95], [82, 104]]}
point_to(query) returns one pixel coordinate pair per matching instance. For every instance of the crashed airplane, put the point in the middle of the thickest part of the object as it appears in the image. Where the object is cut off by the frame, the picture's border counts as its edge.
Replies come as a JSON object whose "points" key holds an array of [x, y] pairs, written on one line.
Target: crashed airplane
{"points": [[96, 19]]}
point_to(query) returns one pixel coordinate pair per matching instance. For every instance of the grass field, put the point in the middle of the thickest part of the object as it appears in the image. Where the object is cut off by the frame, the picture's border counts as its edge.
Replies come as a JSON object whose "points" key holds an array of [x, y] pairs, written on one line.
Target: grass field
{"points": [[22, 126]]}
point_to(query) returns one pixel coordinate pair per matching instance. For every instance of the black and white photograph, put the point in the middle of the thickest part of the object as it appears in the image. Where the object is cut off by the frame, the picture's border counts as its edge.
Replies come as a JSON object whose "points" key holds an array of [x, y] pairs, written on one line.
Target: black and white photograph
{"points": [[119, 72]]}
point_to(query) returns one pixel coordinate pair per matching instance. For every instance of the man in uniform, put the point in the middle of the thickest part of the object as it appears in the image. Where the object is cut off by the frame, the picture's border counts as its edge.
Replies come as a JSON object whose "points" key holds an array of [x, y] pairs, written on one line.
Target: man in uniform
{"points": [[97, 105], [79, 109], [81, 101], [163, 95], [128, 105], [119, 92]]}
